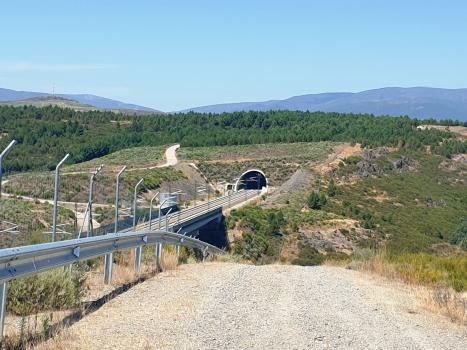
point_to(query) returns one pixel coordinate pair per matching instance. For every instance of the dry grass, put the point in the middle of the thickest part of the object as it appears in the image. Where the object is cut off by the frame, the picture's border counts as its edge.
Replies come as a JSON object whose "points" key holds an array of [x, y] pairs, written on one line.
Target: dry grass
{"points": [[169, 259], [438, 299]]}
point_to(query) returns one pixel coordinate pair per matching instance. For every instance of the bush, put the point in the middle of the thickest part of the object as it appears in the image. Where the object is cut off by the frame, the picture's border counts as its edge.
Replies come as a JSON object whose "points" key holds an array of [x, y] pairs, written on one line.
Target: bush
{"points": [[49, 290], [460, 236], [308, 256]]}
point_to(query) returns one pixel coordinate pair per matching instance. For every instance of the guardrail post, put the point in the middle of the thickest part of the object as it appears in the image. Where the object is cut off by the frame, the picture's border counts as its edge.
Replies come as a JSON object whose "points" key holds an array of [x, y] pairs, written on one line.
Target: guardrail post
{"points": [[158, 256], [3, 292], [108, 268]]}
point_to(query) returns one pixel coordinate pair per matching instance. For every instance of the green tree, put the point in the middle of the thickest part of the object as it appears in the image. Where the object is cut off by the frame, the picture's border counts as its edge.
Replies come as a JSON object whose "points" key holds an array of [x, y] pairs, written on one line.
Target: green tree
{"points": [[313, 201], [332, 188]]}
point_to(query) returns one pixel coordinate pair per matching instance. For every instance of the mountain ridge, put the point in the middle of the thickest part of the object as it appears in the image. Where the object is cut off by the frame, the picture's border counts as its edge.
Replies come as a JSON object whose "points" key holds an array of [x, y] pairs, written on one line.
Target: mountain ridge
{"points": [[416, 102], [8, 95]]}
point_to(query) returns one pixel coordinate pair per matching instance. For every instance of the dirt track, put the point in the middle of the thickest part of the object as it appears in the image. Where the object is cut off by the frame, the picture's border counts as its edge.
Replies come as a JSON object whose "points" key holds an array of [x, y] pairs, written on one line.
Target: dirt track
{"points": [[226, 306]]}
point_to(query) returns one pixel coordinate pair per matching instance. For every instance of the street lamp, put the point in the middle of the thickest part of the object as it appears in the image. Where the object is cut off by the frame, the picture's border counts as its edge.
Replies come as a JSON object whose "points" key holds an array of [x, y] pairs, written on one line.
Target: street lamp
{"points": [[109, 258], [57, 170], [5, 151], [3, 286], [117, 197], [160, 206], [93, 178], [150, 210], [138, 249]]}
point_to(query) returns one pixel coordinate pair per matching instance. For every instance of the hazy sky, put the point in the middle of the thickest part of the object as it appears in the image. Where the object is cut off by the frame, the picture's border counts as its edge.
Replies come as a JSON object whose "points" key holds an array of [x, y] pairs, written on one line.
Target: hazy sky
{"points": [[171, 55]]}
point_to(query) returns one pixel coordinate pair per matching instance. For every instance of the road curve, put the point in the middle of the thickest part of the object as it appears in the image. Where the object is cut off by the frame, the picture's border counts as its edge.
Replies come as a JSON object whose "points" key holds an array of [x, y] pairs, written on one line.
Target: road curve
{"points": [[171, 156], [229, 306]]}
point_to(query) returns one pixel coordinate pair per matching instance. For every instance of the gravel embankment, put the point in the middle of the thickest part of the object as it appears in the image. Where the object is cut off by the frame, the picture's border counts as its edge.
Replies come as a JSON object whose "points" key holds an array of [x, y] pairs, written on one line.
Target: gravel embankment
{"points": [[224, 306]]}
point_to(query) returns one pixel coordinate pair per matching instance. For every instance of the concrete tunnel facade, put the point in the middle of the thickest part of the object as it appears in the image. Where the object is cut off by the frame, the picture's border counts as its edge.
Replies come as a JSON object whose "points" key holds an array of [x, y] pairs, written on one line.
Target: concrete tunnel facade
{"points": [[253, 179]]}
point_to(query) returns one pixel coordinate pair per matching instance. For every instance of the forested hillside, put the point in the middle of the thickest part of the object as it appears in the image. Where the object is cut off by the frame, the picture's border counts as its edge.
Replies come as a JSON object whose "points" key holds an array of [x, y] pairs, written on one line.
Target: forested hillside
{"points": [[46, 134]]}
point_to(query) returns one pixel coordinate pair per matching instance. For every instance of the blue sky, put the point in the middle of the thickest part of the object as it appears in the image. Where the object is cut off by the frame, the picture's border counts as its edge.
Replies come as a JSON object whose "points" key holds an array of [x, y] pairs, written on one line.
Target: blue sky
{"points": [[172, 55]]}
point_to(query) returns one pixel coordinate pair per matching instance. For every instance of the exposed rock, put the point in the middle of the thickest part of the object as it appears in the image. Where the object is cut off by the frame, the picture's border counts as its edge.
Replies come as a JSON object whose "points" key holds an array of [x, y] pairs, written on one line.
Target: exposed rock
{"points": [[367, 169], [381, 151], [431, 203], [344, 178], [443, 203], [405, 164], [369, 154]]}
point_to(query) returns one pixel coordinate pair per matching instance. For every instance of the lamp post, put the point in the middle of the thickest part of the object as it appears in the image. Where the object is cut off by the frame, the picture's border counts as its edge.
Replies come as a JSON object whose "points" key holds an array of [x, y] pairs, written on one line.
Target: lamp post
{"points": [[138, 249], [159, 246], [160, 206], [150, 210], [109, 258], [57, 170], [117, 195], [5, 151], [167, 220], [3, 286], [93, 178]]}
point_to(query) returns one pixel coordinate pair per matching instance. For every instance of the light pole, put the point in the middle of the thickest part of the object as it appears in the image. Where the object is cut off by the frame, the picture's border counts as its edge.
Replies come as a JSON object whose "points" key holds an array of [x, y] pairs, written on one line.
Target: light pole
{"points": [[57, 170], [3, 286], [150, 210], [5, 151], [93, 178], [109, 258], [117, 197], [138, 249], [159, 246], [160, 206], [167, 220]]}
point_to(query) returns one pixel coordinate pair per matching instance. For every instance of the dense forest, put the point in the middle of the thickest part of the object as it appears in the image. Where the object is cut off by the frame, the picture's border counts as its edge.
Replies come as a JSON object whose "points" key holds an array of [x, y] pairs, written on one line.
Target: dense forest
{"points": [[46, 134]]}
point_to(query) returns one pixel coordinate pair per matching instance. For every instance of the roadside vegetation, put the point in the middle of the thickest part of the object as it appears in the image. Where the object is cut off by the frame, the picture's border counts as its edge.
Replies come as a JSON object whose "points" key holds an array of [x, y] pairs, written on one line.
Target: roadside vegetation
{"points": [[138, 157], [75, 187]]}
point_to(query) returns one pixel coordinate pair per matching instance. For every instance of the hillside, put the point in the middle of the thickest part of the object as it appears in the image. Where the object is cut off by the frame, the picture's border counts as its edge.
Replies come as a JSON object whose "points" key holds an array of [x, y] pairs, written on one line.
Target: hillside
{"points": [[417, 102], [46, 134], [7, 95], [52, 100]]}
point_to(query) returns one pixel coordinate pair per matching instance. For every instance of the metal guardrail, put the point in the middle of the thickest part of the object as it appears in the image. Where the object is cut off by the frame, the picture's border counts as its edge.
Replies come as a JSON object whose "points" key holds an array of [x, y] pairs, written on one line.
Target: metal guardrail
{"points": [[25, 261], [29, 260]]}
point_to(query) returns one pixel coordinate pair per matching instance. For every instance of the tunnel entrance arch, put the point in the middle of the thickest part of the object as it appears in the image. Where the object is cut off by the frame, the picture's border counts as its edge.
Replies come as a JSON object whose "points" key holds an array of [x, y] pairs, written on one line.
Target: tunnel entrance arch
{"points": [[253, 179]]}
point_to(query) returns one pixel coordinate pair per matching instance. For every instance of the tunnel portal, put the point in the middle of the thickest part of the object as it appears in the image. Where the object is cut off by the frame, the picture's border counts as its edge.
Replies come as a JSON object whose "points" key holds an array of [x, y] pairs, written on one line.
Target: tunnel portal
{"points": [[251, 180]]}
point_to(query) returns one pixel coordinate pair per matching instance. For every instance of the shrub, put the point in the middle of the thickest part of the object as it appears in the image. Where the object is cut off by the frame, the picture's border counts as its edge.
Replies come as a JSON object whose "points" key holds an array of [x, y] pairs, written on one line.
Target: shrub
{"points": [[49, 290], [460, 236], [308, 256]]}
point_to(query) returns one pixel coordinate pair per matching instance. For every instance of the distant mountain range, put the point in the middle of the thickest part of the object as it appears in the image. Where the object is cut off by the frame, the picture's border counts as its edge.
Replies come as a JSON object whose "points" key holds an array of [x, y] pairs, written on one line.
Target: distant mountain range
{"points": [[417, 102], [7, 95]]}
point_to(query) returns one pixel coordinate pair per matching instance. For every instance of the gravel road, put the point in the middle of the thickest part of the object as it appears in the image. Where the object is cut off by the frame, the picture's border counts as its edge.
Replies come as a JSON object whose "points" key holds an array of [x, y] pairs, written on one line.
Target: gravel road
{"points": [[227, 306]]}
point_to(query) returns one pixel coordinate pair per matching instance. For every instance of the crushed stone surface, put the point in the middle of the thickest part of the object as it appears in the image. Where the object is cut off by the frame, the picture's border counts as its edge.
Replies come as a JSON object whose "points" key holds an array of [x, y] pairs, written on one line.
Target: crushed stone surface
{"points": [[230, 306]]}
